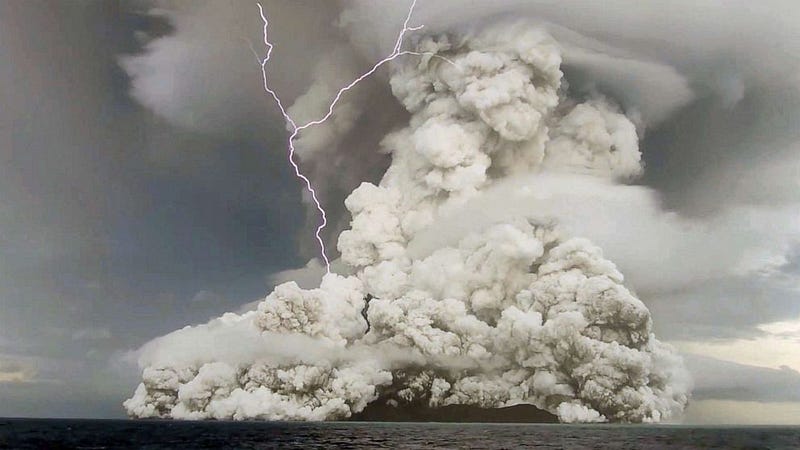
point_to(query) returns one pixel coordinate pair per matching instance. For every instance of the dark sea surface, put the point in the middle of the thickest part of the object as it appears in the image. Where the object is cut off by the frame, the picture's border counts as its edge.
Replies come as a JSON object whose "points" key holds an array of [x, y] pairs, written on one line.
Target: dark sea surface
{"points": [[100, 434]]}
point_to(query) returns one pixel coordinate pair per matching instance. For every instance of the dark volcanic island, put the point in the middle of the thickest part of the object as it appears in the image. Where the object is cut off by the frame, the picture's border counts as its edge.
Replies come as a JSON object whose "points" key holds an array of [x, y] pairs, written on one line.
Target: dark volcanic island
{"points": [[383, 412]]}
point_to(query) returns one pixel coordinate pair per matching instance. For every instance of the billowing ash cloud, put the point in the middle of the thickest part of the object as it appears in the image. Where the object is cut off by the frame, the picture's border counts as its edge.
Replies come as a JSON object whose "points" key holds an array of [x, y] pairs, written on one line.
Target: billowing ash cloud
{"points": [[516, 310]]}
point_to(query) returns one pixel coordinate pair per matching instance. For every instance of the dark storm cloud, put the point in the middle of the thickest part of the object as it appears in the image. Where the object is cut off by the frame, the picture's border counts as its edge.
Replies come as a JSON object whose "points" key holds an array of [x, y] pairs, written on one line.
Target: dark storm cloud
{"points": [[717, 99], [205, 77], [712, 154], [112, 220]]}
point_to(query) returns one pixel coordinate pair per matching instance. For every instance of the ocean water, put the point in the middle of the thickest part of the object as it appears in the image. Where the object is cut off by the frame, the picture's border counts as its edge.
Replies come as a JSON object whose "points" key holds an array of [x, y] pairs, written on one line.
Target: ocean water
{"points": [[128, 434]]}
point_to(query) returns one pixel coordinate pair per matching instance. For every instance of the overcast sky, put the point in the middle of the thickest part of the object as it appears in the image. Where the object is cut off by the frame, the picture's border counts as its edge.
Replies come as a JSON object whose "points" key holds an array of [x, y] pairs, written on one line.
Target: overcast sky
{"points": [[144, 186], [116, 226]]}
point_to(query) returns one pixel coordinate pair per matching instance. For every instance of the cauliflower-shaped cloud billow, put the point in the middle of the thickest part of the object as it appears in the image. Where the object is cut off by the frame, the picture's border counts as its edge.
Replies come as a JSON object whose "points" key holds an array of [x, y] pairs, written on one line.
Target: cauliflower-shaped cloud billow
{"points": [[517, 312]]}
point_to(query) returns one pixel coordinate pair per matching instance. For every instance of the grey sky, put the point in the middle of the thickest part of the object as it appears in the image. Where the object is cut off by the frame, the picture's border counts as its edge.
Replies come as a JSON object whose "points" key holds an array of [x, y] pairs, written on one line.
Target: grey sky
{"points": [[113, 219], [125, 216]]}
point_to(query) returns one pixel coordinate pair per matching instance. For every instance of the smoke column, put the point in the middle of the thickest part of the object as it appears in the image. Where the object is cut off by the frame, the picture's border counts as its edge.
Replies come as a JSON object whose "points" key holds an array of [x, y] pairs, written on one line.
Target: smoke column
{"points": [[514, 311]]}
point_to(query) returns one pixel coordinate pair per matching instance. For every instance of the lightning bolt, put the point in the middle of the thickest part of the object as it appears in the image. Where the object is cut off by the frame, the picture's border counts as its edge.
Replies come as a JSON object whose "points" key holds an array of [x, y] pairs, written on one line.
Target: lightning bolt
{"points": [[295, 129]]}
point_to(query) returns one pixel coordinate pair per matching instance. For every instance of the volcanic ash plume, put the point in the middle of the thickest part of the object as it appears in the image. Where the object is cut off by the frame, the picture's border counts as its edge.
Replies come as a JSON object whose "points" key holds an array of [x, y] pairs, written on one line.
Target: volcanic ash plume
{"points": [[517, 312]]}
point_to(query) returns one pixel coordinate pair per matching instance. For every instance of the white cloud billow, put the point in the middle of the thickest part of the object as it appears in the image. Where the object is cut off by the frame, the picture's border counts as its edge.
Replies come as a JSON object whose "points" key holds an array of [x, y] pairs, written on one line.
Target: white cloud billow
{"points": [[516, 309]]}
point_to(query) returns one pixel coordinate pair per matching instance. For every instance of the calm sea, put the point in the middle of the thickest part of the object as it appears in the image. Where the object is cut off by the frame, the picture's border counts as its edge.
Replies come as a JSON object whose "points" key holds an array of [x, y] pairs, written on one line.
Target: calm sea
{"points": [[99, 434]]}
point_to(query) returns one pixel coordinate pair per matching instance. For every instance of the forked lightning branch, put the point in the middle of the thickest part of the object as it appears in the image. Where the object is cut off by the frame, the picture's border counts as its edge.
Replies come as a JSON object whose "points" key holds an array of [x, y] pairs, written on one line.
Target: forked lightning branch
{"points": [[295, 129]]}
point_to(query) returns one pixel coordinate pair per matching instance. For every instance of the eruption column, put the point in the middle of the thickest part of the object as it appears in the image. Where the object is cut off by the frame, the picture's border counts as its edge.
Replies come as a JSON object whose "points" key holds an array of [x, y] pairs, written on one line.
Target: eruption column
{"points": [[296, 129], [511, 309]]}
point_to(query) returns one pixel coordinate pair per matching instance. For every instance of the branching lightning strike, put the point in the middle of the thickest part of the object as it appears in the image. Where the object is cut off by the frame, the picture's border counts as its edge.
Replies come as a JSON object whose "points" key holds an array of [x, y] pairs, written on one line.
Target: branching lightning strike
{"points": [[295, 129]]}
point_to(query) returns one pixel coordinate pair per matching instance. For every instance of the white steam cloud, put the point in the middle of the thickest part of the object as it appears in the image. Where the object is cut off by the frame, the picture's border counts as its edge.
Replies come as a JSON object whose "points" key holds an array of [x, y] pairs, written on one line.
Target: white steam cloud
{"points": [[517, 308]]}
